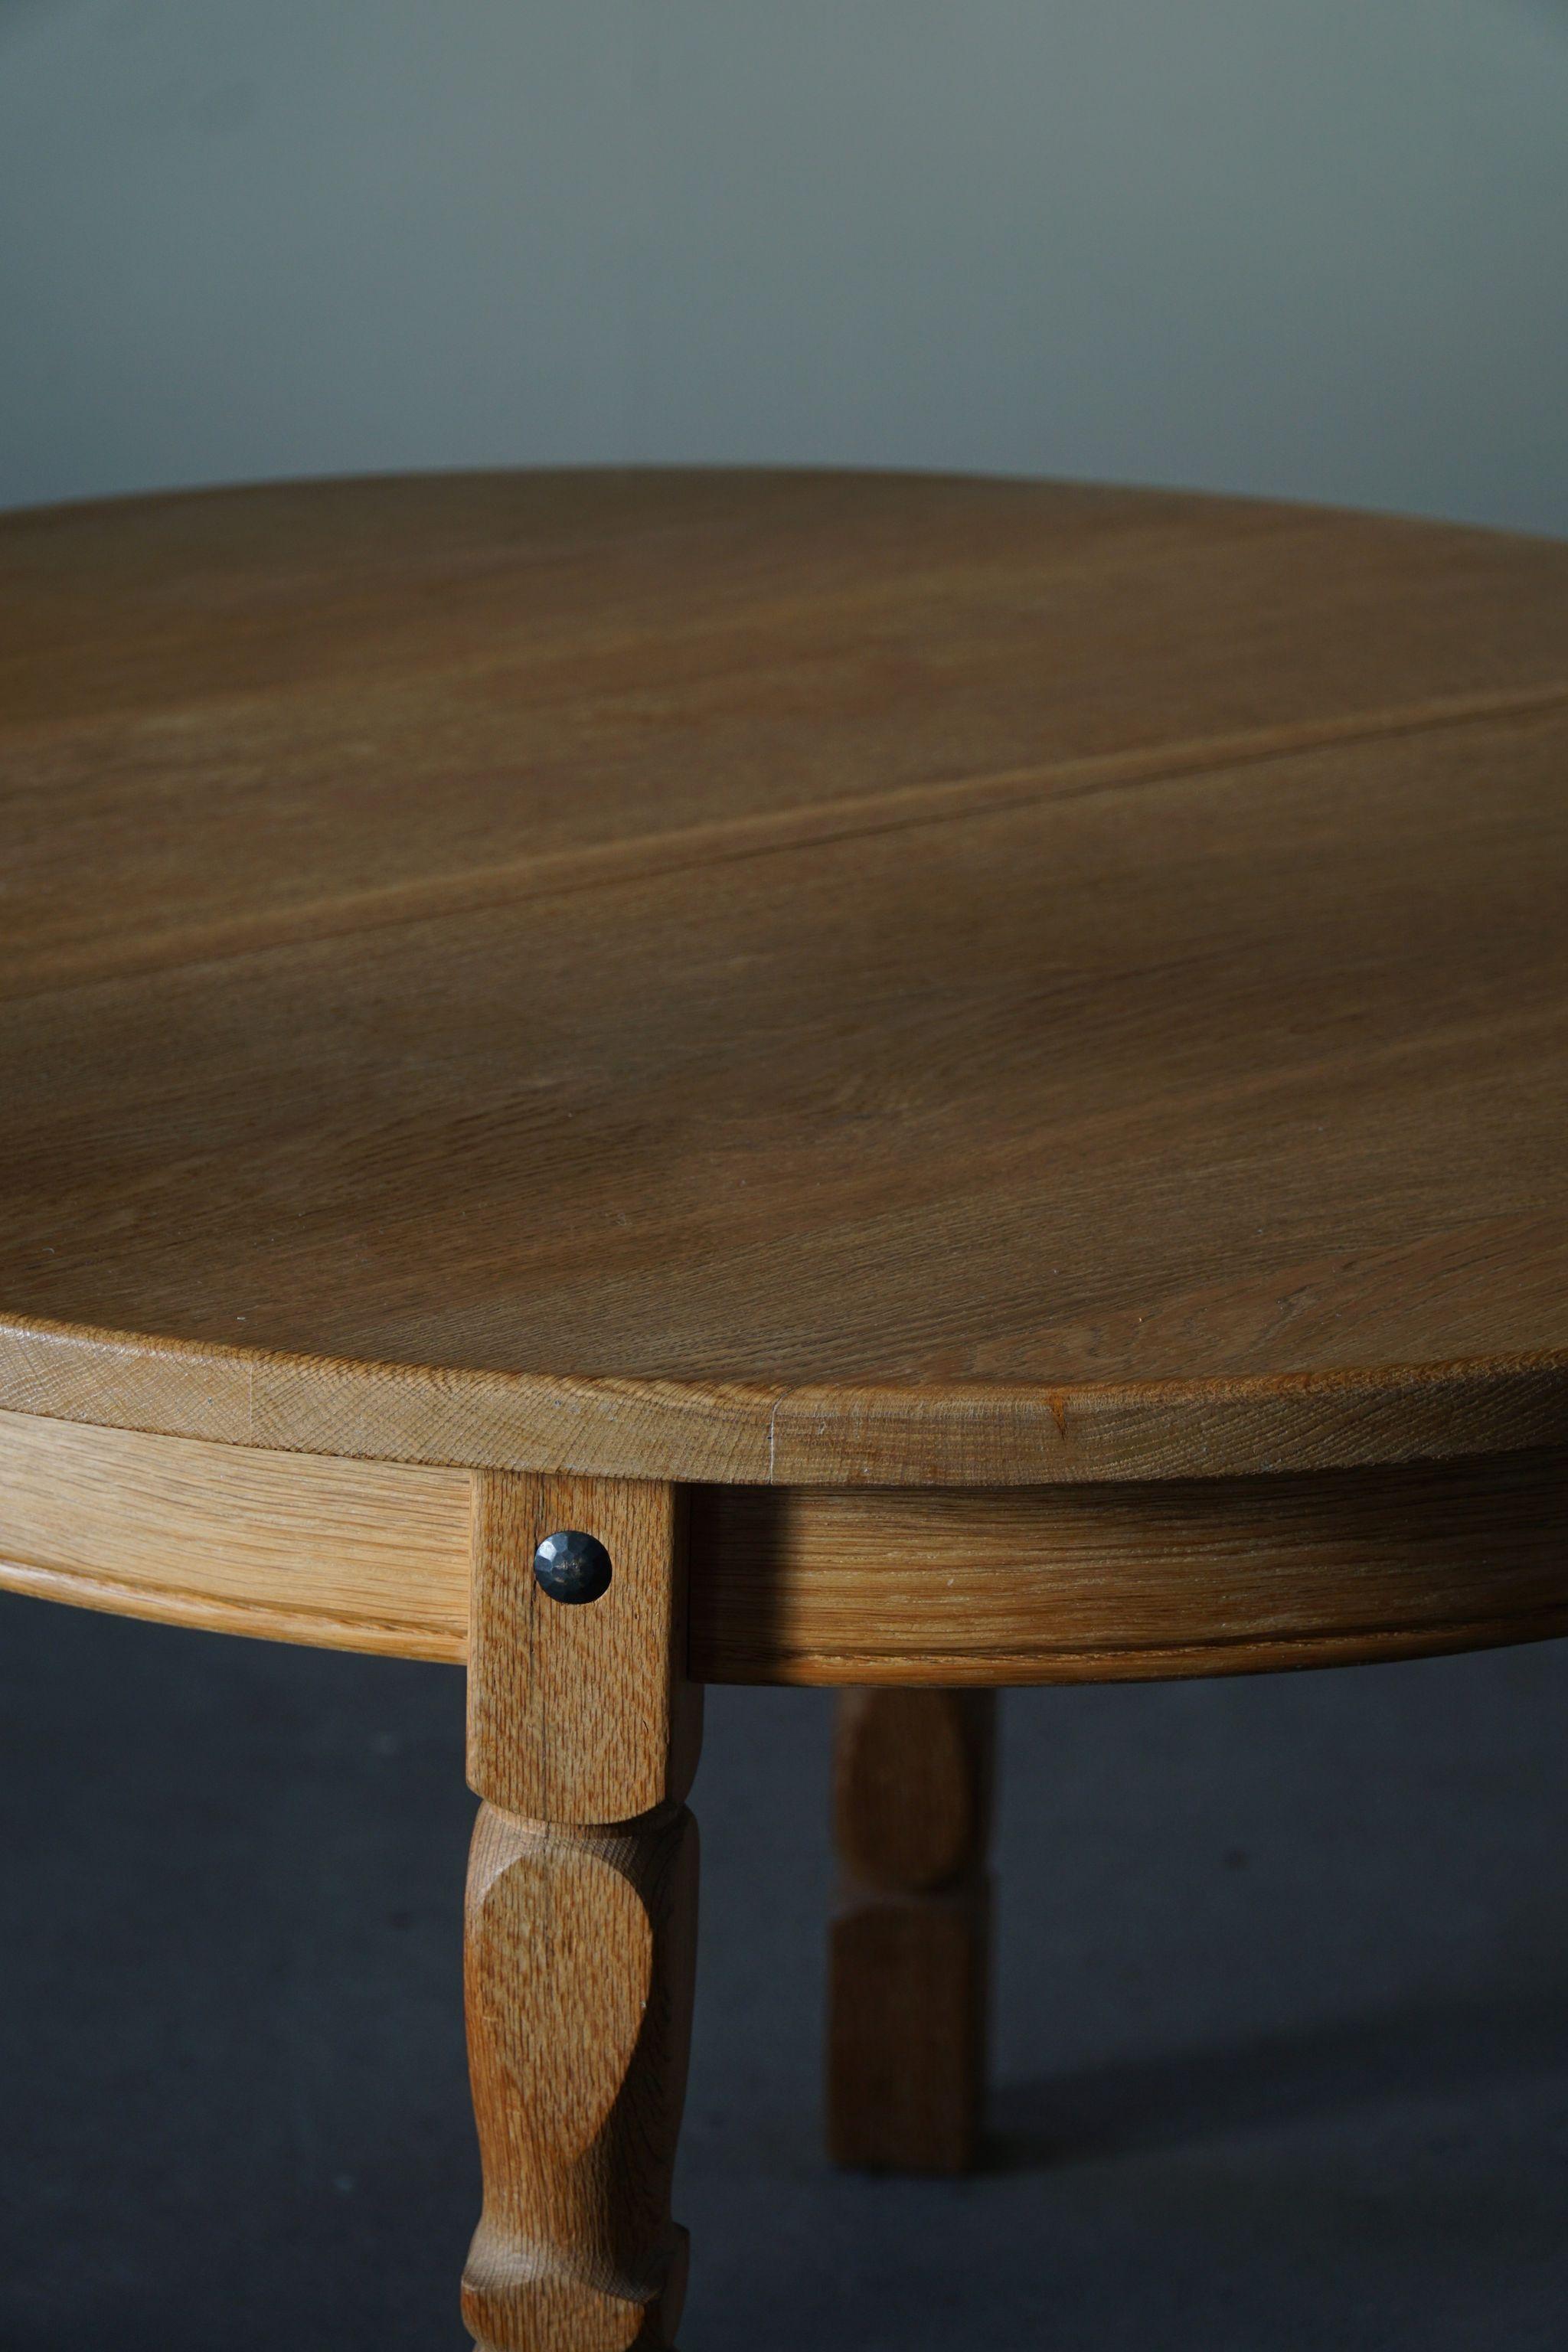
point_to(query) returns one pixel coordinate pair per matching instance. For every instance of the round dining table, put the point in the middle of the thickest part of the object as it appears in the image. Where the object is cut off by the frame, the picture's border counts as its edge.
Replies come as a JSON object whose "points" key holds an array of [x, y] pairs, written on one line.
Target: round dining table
{"points": [[632, 1079]]}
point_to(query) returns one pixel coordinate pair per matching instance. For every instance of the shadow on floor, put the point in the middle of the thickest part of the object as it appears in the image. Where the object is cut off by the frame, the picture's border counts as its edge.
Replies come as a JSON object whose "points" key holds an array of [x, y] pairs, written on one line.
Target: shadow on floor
{"points": [[1270, 2081]]}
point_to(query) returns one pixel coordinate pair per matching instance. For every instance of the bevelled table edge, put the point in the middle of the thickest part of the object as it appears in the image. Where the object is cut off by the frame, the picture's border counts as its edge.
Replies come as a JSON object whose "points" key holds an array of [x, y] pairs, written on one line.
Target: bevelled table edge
{"points": [[752, 1433]]}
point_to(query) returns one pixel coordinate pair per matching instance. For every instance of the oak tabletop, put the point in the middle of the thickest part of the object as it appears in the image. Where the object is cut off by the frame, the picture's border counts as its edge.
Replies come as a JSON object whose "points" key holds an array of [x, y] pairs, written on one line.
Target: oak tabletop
{"points": [[765, 974]]}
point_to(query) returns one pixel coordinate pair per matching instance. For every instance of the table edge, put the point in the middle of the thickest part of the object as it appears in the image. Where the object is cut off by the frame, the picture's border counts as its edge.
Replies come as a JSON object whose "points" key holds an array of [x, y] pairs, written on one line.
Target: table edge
{"points": [[753, 1433]]}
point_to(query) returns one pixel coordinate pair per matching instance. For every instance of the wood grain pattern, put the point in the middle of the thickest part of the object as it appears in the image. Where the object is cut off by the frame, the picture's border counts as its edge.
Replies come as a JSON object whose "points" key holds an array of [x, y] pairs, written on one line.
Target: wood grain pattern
{"points": [[580, 1714], [344, 1555], [1124, 1582], [580, 1941], [452, 927], [580, 1963], [916, 1585], [910, 1940], [981, 1434]]}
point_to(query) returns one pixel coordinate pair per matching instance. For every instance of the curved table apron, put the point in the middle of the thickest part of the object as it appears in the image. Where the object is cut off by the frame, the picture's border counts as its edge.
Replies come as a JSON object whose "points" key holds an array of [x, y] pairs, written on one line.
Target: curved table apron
{"points": [[968, 1074]]}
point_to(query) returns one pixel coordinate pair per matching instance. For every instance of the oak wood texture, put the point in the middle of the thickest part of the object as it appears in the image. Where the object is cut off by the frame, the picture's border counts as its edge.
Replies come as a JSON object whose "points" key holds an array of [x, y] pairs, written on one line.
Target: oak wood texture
{"points": [[909, 1942], [939, 1587], [1009, 1040], [580, 1949], [581, 1954], [344, 1555], [1128, 1583], [580, 1712], [987, 1434], [816, 979]]}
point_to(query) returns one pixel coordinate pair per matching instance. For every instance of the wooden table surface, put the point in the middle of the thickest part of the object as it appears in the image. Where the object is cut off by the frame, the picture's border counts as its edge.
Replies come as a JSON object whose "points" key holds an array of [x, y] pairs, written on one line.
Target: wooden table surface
{"points": [[840, 978]]}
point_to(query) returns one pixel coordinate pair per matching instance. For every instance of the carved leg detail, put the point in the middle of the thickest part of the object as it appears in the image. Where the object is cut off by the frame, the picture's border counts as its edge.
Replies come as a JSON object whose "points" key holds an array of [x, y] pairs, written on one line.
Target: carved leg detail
{"points": [[582, 1920], [581, 1960], [908, 1948]]}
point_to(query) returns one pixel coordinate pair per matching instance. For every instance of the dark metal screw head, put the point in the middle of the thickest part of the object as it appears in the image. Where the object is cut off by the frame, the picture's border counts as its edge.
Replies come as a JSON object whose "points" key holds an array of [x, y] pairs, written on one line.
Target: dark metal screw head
{"points": [[572, 1567]]}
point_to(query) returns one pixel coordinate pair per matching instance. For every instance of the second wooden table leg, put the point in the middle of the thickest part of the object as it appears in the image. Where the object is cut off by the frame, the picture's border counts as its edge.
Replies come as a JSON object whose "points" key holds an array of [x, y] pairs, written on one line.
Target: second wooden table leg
{"points": [[909, 1947], [580, 1921]]}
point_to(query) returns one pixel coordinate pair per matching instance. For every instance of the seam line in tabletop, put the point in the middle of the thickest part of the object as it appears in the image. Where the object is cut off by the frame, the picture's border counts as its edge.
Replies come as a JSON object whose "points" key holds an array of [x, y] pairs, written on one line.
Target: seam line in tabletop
{"points": [[646, 857]]}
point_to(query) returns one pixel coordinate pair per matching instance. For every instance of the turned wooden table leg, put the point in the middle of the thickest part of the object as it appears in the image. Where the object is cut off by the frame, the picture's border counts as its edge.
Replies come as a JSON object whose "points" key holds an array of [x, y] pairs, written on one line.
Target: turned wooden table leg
{"points": [[582, 1915], [909, 1947]]}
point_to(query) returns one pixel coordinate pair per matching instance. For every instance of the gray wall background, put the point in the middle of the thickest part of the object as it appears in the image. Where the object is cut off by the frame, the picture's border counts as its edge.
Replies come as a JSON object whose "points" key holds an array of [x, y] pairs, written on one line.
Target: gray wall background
{"points": [[1316, 247]]}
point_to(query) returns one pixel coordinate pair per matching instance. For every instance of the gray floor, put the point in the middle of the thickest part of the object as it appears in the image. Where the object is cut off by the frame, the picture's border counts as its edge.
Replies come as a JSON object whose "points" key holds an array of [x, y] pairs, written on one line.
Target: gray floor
{"points": [[1282, 2038]]}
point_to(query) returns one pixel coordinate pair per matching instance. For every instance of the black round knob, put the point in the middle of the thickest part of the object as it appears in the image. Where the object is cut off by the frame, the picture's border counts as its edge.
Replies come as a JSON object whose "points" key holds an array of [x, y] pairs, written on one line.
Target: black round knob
{"points": [[572, 1567]]}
